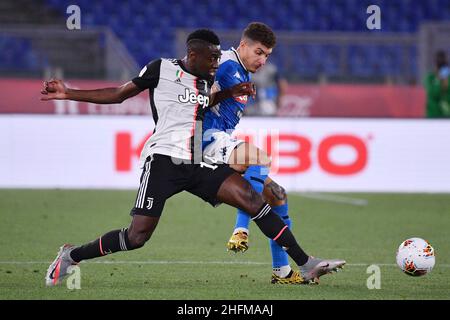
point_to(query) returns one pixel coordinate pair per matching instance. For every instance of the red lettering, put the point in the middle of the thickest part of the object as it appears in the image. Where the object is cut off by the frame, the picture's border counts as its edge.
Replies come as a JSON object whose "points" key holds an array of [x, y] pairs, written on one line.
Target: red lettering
{"points": [[125, 150], [271, 144], [301, 153], [346, 140]]}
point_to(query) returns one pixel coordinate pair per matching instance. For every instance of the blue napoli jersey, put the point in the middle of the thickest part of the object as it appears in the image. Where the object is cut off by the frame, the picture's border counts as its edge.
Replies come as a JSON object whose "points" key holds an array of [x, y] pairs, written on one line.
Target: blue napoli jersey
{"points": [[226, 115]]}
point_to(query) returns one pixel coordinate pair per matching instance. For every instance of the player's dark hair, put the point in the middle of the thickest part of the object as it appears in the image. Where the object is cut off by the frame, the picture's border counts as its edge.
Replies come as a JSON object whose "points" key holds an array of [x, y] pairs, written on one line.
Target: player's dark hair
{"points": [[258, 31], [204, 35]]}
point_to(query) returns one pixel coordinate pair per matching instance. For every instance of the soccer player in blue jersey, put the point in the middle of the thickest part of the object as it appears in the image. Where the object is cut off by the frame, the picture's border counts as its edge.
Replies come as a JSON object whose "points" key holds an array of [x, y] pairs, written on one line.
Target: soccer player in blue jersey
{"points": [[236, 66]]}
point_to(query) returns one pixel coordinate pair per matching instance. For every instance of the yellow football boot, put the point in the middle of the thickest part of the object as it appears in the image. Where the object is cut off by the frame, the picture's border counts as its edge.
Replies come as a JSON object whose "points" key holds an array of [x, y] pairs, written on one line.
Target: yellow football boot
{"points": [[293, 277], [238, 242]]}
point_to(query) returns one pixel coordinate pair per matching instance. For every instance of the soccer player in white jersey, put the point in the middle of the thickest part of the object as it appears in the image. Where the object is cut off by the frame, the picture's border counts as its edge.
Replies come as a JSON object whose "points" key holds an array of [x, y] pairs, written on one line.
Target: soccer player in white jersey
{"points": [[179, 96]]}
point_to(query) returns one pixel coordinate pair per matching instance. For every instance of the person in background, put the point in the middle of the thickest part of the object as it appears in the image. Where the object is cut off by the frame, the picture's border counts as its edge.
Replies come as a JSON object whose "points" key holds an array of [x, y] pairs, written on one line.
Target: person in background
{"points": [[270, 87], [437, 89]]}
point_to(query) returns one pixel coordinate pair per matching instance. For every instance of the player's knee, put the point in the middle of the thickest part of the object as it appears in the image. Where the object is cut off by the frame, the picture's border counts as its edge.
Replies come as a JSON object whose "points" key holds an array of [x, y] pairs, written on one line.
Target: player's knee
{"points": [[275, 202], [274, 194], [253, 200], [267, 162], [138, 239], [279, 199], [240, 168], [263, 159]]}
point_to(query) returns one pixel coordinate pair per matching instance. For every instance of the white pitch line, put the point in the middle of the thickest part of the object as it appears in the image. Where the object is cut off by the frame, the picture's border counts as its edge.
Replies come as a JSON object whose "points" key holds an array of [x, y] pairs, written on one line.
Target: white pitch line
{"points": [[144, 262], [199, 262], [334, 198]]}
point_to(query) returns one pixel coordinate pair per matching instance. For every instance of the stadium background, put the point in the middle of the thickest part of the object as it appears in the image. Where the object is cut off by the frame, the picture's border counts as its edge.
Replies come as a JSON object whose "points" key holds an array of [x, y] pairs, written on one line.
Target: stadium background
{"points": [[352, 119]]}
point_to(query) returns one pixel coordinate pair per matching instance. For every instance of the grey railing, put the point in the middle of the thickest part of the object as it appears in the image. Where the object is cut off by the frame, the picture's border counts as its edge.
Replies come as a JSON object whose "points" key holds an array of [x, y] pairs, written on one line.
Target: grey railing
{"points": [[417, 50], [88, 53]]}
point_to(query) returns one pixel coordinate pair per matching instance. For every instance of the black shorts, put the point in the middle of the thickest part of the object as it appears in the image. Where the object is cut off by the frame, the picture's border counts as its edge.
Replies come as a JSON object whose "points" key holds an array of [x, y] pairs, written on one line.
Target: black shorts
{"points": [[162, 178]]}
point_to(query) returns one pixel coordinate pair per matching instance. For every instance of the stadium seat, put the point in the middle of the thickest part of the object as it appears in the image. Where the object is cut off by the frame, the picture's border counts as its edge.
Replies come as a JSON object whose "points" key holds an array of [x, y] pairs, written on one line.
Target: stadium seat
{"points": [[154, 22], [18, 54]]}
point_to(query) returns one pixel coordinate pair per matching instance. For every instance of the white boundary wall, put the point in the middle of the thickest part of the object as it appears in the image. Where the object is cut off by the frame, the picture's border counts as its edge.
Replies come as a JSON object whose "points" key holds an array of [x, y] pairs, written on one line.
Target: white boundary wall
{"points": [[357, 155]]}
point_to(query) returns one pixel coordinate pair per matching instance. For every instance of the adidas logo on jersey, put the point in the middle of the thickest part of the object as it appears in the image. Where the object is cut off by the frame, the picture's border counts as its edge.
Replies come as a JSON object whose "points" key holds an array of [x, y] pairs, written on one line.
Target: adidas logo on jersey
{"points": [[193, 98]]}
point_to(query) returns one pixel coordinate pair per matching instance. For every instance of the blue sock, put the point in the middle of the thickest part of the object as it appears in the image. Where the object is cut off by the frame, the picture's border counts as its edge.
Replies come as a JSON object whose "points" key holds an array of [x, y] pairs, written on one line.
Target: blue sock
{"points": [[279, 256], [255, 175]]}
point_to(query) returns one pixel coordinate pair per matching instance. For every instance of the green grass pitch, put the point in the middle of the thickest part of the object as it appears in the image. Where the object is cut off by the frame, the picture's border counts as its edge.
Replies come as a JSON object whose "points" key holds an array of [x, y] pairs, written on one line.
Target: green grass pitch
{"points": [[186, 257]]}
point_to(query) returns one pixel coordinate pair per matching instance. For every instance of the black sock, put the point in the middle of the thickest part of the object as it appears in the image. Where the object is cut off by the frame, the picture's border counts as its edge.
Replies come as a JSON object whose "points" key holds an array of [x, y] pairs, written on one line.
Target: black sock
{"points": [[274, 228], [110, 242]]}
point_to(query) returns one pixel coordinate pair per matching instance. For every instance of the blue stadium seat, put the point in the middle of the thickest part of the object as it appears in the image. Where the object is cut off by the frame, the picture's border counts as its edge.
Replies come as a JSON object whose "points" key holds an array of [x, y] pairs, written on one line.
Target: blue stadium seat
{"points": [[18, 54], [147, 27]]}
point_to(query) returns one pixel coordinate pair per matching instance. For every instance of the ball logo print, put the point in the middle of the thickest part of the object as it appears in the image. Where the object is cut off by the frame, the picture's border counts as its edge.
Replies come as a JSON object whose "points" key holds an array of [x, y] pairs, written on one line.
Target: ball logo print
{"points": [[416, 257]]}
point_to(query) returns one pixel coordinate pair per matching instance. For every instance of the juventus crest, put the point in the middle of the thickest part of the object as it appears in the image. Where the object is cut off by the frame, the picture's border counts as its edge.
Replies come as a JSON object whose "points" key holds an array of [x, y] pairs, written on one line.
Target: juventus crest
{"points": [[150, 203]]}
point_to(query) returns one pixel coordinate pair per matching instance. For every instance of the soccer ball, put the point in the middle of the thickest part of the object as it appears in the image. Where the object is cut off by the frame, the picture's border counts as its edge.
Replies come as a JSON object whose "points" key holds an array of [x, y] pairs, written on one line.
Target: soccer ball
{"points": [[415, 257]]}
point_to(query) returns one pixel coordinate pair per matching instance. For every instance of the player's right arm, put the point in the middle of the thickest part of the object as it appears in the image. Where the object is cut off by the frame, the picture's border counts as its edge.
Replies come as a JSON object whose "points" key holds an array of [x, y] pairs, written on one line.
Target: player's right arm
{"points": [[57, 90], [147, 79]]}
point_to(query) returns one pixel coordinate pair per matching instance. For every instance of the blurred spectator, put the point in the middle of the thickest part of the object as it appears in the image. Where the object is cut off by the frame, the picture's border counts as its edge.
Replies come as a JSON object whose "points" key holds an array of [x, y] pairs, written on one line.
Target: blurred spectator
{"points": [[436, 85], [270, 87]]}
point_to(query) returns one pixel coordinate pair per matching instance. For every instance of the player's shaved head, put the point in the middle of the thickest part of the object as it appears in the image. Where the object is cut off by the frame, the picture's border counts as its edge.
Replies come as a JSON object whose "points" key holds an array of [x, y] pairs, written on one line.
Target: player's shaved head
{"points": [[203, 53], [201, 39], [198, 45]]}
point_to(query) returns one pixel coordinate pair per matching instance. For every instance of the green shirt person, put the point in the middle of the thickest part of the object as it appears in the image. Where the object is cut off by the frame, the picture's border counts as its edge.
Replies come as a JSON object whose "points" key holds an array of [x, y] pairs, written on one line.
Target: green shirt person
{"points": [[437, 88]]}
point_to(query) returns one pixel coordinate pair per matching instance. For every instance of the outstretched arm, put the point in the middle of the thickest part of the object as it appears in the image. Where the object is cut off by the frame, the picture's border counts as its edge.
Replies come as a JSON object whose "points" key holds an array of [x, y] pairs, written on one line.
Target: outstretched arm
{"points": [[241, 89], [57, 90]]}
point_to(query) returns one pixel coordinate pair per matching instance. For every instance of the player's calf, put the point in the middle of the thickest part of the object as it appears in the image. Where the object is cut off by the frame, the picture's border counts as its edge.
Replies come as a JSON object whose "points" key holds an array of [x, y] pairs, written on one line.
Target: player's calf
{"points": [[238, 193], [140, 230], [125, 239]]}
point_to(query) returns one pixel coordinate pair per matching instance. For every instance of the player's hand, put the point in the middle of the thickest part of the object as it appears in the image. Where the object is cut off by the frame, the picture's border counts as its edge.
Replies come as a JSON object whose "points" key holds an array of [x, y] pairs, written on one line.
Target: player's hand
{"points": [[54, 89], [243, 89]]}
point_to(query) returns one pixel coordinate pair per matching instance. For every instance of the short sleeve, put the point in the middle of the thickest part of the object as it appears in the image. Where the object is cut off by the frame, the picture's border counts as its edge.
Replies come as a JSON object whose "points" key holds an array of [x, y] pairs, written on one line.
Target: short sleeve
{"points": [[148, 78]]}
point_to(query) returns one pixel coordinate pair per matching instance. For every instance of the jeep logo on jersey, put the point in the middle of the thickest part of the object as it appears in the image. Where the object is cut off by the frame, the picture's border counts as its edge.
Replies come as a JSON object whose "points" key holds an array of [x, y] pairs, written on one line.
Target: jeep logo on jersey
{"points": [[193, 98]]}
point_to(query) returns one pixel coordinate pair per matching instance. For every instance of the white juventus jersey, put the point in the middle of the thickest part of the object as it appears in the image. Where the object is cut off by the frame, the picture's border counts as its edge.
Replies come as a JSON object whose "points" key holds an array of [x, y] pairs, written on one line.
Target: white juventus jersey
{"points": [[178, 100]]}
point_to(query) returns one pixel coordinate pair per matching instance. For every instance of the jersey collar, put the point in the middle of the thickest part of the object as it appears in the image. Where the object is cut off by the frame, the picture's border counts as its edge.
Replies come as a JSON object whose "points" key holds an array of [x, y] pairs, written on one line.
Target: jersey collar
{"points": [[238, 58], [183, 67]]}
